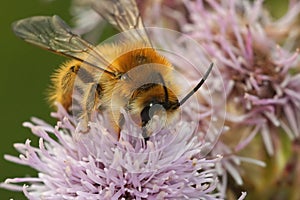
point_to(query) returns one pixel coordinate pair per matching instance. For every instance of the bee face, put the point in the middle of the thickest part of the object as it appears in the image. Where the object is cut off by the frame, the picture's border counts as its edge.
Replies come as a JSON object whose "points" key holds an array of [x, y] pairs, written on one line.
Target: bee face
{"points": [[153, 100], [157, 104]]}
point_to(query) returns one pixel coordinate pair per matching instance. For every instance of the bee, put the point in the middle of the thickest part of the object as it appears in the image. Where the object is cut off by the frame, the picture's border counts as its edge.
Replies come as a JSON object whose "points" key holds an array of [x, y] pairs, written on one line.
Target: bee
{"points": [[131, 73]]}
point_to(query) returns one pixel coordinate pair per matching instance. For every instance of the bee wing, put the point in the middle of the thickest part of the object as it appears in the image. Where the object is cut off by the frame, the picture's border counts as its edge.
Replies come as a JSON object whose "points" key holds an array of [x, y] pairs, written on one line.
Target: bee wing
{"points": [[124, 15], [53, 34]]}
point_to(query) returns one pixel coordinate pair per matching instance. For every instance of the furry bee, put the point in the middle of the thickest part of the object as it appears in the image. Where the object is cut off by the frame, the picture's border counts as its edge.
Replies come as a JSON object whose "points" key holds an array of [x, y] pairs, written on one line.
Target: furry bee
{"points": [[131, 73]]}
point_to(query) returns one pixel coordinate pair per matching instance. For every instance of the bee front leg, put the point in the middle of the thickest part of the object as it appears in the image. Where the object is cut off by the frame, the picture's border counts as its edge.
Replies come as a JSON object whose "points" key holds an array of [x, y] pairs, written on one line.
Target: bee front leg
{"points": [[90, 103], [118, 126]]}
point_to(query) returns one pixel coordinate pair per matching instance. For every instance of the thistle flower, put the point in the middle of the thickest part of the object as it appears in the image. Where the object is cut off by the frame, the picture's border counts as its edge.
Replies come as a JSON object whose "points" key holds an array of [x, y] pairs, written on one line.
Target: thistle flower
{"points": [[98, 166]]}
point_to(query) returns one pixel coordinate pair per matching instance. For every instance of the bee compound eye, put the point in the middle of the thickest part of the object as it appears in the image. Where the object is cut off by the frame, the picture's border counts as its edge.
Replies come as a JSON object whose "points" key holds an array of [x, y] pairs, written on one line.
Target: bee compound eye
{"points": [[149, 111], [145, 115]]}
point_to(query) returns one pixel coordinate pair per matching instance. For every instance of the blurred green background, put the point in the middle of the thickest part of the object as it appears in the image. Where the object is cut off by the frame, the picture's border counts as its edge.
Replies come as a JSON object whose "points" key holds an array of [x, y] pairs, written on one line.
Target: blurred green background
{"points": [[24, 76]]}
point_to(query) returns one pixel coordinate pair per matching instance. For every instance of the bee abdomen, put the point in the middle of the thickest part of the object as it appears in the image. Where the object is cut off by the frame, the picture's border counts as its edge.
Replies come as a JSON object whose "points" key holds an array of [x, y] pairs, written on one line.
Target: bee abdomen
{"points": [[63, 82]]}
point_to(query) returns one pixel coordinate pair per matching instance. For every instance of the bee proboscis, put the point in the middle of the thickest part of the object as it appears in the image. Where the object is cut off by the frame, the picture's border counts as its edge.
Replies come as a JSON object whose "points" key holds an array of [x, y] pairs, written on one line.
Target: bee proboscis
{"points": [[98, 77]]}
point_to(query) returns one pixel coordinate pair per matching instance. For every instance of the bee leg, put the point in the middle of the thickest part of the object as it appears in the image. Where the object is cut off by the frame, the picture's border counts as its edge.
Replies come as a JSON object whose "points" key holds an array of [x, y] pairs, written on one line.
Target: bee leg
{"points": [[118, 132], [145, 134], [83, 126], [121, 122], [91, 101]]}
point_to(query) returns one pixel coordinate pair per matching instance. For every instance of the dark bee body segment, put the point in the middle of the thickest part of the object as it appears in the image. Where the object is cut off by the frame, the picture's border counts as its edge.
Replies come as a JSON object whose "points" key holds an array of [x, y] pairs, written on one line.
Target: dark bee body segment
{"points": [[145, 87], [74, 68]]}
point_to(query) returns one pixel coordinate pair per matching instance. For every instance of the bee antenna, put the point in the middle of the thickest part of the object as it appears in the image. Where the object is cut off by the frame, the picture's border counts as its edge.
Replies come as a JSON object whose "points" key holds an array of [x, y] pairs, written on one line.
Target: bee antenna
{"points": [[197, 86], [165, 88]]}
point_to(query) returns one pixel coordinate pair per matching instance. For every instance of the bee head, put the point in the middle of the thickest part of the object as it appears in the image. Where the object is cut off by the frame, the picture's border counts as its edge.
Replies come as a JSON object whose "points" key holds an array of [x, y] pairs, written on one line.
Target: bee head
{"points": [[155, 107], [155, 99], [168, 104]]}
